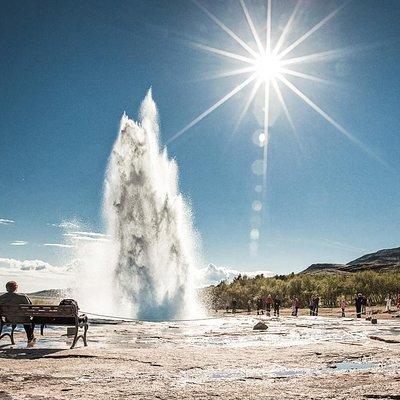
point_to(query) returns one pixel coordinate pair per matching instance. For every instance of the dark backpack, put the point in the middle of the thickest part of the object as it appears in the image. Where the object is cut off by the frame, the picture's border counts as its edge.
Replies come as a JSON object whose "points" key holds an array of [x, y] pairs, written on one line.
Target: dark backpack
{"points": [[69, 302]]}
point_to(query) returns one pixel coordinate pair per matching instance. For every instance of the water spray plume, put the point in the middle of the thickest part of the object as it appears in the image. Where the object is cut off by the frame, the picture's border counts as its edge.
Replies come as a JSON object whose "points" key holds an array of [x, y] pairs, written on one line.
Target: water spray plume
{"points": [[149, 264]]}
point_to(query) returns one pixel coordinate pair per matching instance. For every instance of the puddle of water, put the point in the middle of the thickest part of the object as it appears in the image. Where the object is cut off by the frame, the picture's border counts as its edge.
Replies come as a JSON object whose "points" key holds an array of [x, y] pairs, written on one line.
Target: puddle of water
{"points": [[227, 375], [287, 374], [352, 365]]}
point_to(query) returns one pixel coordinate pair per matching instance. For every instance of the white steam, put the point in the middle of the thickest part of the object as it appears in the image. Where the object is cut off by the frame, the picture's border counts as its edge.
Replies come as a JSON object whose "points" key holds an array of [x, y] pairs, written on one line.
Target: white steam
{"points": [[144, 266]]}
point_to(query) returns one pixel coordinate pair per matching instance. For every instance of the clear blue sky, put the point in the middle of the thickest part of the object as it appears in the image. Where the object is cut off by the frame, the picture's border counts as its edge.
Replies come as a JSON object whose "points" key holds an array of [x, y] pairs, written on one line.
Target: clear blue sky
{"points": [[69, 69]]}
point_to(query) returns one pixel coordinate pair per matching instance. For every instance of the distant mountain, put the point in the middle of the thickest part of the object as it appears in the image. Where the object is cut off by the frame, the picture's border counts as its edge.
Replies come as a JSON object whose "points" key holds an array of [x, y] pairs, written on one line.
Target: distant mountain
{"points": [[323, 268], [381, 260]]}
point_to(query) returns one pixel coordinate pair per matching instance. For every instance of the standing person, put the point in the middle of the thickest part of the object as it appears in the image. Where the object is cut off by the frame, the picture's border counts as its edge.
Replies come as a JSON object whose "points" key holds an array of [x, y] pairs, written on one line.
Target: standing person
{"points": [[234, 305], [249, 306], [364, 305], [268, 305], [388, 303], [295, 306], [311, 306], [277, 305], [343, 304], [263, 303], [358, 302], [259, 306], [368, 306], [12, 297], [316, 305]]}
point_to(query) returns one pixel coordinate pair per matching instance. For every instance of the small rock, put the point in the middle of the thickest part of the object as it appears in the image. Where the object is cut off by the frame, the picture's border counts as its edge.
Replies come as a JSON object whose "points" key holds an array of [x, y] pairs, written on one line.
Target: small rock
{"points": [[260, 326], [374, 321]]}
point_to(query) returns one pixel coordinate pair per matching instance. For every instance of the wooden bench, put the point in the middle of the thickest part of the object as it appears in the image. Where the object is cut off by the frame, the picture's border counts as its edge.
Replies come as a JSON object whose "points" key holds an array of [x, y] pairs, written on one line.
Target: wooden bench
{"points": [[27, 314]]}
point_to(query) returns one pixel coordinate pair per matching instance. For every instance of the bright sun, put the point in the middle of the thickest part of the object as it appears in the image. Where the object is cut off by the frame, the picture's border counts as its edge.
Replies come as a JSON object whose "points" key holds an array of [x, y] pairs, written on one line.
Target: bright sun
{"points": [[268, 67]]}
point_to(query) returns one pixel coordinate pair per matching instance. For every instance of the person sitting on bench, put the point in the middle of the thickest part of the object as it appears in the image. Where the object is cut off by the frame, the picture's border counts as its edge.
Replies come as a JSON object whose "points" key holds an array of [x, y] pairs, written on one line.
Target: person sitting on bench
{"points": [[11, 297]]}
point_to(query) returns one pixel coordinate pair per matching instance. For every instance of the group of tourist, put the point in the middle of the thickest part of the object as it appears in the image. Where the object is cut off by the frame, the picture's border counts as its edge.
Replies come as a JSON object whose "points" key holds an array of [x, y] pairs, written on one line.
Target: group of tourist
{"points": [[265, 305], [314, 305]]}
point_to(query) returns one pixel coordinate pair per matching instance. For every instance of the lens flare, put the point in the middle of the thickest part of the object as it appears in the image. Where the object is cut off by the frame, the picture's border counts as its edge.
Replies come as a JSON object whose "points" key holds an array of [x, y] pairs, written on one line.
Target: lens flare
{"points": [[268, 68]]}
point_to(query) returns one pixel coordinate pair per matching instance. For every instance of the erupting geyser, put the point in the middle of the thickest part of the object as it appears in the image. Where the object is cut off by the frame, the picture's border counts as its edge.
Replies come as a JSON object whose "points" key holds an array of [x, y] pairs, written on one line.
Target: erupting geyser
{"points": [[149, 223]]}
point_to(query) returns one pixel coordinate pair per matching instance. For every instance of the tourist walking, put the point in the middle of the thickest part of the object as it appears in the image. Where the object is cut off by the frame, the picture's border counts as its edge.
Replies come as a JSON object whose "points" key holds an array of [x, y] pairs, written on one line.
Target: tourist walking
{"points": [[343, 305], [277, 305], [295, 306], [259, 306], [268, 305], [316, 305], [364, 305], [358, 302], [234, 306], [311, 305], [249, 306], [389, 303]]}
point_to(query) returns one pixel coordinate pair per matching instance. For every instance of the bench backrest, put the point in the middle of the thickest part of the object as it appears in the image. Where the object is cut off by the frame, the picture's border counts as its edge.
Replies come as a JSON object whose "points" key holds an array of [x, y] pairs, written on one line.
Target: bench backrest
{"points": [[28, 310]]}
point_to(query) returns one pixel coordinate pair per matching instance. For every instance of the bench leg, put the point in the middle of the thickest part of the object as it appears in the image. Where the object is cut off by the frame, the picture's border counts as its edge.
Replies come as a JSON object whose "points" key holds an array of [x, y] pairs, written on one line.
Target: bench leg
{"points": [[3, 335], [13, 326], [84, 335], [41, 329], [6, 335], [75, 337]]}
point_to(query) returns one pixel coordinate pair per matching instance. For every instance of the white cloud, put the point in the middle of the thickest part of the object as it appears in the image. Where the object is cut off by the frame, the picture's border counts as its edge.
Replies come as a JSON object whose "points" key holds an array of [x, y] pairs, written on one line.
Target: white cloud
{"points": [[87, 236], [212, 275], [6, 221], [67, 225], [18, 243], [34, 275], [58, 245], [94, 234]]}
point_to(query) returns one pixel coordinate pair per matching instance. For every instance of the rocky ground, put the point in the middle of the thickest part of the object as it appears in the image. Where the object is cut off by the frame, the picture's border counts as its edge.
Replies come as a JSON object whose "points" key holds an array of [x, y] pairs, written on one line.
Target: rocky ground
{"points": [[295, 358]]}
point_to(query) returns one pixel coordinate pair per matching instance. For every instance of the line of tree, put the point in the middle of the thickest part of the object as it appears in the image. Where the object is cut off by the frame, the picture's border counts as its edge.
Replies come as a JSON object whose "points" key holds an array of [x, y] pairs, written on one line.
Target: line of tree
{"points": [[330, 287]]}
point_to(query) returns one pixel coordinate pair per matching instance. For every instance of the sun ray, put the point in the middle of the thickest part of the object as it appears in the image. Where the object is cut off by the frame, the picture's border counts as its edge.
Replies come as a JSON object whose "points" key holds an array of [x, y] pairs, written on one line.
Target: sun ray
{"points": [[226, 29], [268, 30], [284, 106], [228, 74], [310, 32], [329, 119], [320, 56], [253, 93], [306, 76], [213, 107], [271, 67], [252, 27], [224, 53], [286, 30]]}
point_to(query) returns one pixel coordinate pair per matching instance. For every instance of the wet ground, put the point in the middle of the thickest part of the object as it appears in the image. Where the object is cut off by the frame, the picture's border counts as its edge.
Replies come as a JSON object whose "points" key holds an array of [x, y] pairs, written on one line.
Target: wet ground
{"points": [[295, 358]]}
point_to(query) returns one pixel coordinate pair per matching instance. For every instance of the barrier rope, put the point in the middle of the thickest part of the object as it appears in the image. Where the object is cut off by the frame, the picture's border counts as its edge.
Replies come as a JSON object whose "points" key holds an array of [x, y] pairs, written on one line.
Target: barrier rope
{"points": [[114, 317]]}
